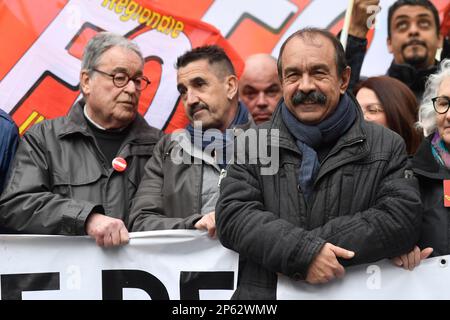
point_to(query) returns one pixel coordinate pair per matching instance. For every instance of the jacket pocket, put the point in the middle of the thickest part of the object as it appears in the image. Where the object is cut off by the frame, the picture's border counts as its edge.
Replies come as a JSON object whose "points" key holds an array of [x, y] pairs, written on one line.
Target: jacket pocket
{"points": [[81, 185]]}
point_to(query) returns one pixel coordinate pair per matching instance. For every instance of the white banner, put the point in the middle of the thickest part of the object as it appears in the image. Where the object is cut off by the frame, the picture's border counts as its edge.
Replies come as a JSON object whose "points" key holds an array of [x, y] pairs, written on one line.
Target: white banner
{"points": [[185, 265], [382, 280], [176, 264]]}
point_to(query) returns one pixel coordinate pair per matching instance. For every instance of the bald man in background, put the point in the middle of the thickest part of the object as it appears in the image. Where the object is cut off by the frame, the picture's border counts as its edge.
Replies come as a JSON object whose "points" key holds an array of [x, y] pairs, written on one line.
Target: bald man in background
{"points": [[259, 86]]}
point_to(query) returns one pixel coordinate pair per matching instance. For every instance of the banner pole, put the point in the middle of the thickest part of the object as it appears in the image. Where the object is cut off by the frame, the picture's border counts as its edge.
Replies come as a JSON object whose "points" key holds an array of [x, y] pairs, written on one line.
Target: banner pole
{"points": [[348, 17]]}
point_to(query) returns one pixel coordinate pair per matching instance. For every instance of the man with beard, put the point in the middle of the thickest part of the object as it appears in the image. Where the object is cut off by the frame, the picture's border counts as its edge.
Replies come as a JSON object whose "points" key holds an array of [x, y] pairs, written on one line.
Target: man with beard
{"points": [[259, 86], [179, 188], [343, 194], [413, 39], [76, 175]]}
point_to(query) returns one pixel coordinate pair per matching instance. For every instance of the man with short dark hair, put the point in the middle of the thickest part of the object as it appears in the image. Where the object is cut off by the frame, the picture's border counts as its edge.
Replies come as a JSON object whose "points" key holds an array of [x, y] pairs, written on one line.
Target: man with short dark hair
{"points": [[180, 188], [342, 194], [76, 174], [413, 39]]}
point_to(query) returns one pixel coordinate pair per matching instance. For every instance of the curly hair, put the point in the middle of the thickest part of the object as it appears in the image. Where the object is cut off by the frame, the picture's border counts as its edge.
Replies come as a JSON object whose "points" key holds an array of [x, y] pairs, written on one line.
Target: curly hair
{"points": [[427, 115]]}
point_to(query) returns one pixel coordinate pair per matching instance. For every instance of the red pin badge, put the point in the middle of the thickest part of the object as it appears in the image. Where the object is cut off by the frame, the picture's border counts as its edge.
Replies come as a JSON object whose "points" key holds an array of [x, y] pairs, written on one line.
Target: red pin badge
{"points": [[119, 164]]}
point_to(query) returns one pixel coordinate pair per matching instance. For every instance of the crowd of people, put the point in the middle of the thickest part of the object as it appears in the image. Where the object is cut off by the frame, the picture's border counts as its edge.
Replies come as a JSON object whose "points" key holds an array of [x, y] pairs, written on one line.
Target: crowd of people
{"points": [[361, 162]]}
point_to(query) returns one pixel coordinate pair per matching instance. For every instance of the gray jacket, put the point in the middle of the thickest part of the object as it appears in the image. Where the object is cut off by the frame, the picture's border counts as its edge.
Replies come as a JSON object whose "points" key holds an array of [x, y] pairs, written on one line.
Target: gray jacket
{"points": [[174, 194], [60, 176], [361, 202]]}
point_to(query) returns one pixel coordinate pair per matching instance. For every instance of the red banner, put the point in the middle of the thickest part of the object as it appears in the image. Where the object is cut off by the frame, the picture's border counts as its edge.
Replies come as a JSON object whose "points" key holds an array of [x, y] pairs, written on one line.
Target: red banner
{"points": [[40, 68]]}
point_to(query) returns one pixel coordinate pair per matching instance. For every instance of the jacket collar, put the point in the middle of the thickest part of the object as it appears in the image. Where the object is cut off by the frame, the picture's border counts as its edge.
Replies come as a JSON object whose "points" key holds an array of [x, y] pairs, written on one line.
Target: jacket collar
{"points": [[77, 124], [424, 164], [188, 147], [356, 133], [415, 79]]}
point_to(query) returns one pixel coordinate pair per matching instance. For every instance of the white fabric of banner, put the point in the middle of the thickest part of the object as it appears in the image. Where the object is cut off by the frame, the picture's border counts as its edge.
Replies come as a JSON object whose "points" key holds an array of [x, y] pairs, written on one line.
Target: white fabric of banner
{"points": [[80, 262], [79, 267], [376, 281]]}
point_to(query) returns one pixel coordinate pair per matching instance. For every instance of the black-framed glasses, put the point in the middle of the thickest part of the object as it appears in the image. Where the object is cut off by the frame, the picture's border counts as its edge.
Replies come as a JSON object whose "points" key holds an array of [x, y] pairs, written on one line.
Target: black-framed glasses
{"points": [[121, 79], [441, 104]]}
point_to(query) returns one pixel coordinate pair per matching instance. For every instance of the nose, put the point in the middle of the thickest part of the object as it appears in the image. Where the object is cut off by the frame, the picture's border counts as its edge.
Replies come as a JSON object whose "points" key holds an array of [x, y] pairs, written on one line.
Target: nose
{"points": [[131, 87], [413, 29], [367, 117], [447, 115], [306, 84], [261, 100], [190, 98]]}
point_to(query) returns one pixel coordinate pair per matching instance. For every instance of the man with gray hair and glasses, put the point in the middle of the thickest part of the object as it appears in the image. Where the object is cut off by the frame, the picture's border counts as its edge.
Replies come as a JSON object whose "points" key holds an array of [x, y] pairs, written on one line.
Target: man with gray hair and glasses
{"points": [[75, 175]]}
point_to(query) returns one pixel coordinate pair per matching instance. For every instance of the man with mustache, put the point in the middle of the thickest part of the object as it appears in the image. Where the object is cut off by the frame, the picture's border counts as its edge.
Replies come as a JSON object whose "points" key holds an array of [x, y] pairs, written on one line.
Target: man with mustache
{"points": [[259, 86], [342, 195], [180, 186], [76, 175], [413, 39]]}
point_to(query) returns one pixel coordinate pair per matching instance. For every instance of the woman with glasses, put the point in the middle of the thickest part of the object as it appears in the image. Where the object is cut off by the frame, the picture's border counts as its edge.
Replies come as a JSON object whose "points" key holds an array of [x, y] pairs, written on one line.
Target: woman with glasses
{"points": [[390, 103], [431, 165]]}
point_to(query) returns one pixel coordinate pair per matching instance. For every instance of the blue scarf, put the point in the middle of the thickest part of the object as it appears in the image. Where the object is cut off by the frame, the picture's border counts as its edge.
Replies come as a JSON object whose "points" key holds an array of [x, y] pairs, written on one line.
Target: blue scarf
{"points": [[216, 140], [309, 138], [439, 151]]}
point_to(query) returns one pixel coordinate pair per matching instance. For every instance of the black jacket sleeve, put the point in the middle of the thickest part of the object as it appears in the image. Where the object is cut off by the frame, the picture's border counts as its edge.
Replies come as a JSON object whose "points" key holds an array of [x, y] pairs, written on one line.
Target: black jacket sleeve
{"points": [[391, 226], [355, 54]]}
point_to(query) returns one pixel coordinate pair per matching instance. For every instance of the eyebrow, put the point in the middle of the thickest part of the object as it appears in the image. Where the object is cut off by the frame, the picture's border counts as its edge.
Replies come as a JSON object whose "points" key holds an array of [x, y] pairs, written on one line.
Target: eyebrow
{"points": [[125, 70], [421, 15], [197, 79], [291, 69], [320, 66]]}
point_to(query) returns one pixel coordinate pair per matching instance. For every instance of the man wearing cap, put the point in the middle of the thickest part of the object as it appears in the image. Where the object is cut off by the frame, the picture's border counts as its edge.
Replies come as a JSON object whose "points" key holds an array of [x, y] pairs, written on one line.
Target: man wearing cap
{"points": [[76, 175]]}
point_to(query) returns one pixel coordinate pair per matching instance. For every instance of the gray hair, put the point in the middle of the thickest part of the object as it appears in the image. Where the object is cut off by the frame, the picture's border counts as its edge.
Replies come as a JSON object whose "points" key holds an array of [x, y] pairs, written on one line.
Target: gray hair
{"points": [[102, 42], [427, 115]]}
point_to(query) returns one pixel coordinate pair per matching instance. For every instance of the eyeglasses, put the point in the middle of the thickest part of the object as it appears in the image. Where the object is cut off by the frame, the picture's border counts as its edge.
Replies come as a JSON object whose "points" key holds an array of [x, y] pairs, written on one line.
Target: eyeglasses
{"points": [[372, 109], [441, 104], [121, 79]]}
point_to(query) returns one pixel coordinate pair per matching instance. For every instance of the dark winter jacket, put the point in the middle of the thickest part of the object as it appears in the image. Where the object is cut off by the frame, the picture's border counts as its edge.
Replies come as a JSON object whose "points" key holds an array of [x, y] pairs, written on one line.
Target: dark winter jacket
{"points": [[436, 218], [364, 200], [60, 176]]}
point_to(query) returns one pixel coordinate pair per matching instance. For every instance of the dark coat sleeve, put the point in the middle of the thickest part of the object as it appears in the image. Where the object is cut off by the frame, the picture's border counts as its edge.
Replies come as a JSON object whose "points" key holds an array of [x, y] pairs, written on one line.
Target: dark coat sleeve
{"points": [[391, 226], [243, 225], [355, 54], [9, 138], [28, 204], [147, 207]]}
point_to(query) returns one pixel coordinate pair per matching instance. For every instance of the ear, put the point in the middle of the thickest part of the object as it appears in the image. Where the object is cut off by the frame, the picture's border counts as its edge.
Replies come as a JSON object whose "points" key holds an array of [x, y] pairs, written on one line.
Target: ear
{"points": [[389, 45], [85, 82], [345, 79], [231, 83], [441, 41]]}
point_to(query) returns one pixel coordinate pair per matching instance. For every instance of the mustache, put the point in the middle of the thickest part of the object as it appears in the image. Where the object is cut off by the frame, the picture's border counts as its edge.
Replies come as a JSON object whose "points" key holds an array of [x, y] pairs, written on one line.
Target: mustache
{"points": [[310, 97], [414, 42], [195, 107]]}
